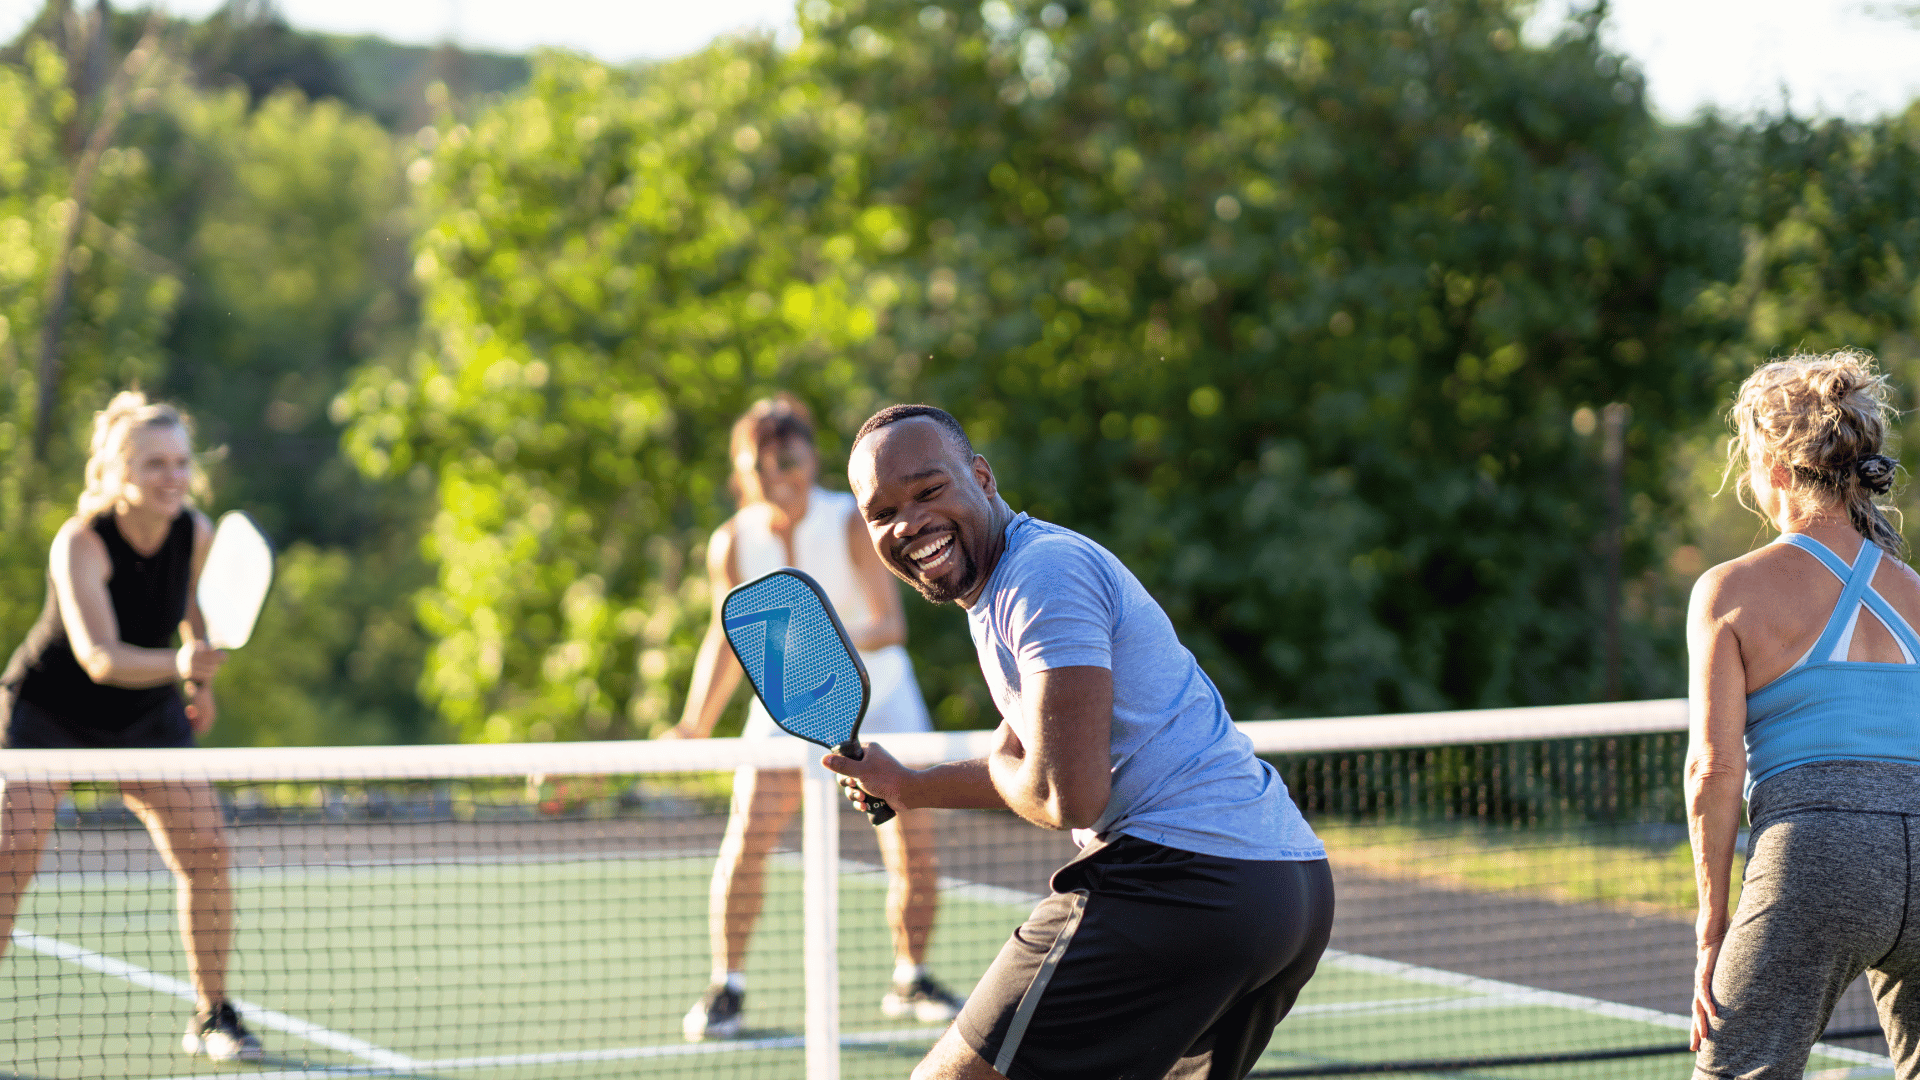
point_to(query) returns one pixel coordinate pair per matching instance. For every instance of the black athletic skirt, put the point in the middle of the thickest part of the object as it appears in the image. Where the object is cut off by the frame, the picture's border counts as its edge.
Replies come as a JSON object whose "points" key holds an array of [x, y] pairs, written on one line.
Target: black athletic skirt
{"points": [[30, 727], [1150, 962]]}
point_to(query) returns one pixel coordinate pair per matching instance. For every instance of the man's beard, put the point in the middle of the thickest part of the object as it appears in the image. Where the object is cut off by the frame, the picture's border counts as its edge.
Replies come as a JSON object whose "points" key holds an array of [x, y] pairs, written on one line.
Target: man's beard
{"points": [[938, 592]]}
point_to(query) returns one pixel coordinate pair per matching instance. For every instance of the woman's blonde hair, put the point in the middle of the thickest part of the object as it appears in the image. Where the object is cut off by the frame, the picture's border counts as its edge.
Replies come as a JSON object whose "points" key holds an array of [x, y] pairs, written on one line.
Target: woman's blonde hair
{"points": [[1826, 419], [112, 447]]}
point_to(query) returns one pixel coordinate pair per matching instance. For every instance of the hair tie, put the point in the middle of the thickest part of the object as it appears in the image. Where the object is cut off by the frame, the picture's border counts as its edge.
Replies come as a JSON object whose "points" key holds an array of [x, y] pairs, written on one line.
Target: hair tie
{"points": [[1876, 472]]}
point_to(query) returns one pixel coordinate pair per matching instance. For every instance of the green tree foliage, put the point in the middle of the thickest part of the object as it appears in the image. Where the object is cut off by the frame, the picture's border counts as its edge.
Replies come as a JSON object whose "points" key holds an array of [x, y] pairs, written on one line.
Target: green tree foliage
{"points": [[334, 658], [286, 219], [287, 225], [1832, 242], [114, 317], [612, 266], [1304, 309], [1291, 305], [241, 260], [404, 86], [1830, 220], [1298, 328], [248, 42]]}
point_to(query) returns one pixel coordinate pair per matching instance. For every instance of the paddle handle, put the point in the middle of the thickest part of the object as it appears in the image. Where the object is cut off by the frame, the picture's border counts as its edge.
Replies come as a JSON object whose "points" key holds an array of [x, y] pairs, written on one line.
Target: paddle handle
{"points": [[878, 811]]}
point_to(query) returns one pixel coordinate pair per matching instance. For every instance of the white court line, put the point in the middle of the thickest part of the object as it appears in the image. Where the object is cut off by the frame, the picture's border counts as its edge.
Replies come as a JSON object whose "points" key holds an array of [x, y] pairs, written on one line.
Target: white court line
{"points": [[785, 1042], [1363, 1007], [1516, 994], [316, 1073], [564, 1057], [1401, 1006], [166, 984]]}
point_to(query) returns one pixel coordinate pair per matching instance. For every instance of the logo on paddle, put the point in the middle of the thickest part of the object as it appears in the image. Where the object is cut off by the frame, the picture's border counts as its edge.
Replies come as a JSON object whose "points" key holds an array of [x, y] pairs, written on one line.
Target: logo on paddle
{"points": [[774, 665]]}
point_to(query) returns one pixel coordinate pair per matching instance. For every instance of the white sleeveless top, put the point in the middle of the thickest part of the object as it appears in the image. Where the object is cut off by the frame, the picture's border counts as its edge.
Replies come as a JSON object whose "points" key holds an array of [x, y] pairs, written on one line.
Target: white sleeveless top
{"points": [[820, 547]]}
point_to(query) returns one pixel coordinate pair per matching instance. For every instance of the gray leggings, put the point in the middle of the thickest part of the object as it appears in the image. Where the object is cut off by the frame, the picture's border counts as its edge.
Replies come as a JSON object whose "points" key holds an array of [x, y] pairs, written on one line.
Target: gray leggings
{"points": [[1829, 893]]}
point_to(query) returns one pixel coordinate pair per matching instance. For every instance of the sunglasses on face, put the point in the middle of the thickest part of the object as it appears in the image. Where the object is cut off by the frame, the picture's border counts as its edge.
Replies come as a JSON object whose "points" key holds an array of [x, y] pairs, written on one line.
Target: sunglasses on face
{"points": [[782, 462]]}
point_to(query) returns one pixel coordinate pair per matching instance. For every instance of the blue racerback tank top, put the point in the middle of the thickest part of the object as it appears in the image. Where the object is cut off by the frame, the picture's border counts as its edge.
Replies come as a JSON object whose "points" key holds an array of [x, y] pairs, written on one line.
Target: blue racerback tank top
{"points": [[1829, 708]]}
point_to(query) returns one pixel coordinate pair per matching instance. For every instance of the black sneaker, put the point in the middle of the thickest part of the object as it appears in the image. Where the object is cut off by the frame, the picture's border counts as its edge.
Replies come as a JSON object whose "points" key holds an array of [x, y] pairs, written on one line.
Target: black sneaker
{"points": [[715, 1016], [925, 1000], [220, 1036]]}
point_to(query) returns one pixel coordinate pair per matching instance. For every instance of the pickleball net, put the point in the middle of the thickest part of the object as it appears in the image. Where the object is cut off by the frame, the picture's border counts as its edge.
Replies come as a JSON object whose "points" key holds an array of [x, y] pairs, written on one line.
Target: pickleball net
{"points": [[1515, 900]]}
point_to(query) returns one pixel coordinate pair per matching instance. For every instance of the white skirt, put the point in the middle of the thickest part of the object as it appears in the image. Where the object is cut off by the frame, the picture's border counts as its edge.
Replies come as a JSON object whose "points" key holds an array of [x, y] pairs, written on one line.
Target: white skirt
{"points": [[894, 706]]}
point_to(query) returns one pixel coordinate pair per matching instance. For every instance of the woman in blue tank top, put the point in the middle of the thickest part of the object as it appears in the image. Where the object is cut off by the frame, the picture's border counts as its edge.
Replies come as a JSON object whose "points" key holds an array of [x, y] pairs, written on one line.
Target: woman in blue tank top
{"points": [[1804, 677], [100, 669]]}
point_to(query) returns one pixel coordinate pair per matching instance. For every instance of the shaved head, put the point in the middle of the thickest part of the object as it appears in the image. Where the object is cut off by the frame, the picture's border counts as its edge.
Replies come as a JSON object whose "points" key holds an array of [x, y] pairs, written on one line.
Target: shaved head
{"points": [[893, 414]]}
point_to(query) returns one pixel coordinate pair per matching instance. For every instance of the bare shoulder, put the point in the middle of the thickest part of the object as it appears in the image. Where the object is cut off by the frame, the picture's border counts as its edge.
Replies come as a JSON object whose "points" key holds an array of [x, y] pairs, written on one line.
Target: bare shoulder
{"points": [[1899, 583], [855, 524], [202, 529], [1901, 571], [77, 537], [720, 550], [1730, 584], [78, 550]]}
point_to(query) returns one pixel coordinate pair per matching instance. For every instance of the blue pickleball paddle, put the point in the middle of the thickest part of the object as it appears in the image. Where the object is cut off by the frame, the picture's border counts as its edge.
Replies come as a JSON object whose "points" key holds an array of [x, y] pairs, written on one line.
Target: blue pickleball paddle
{"points": [[801, 663]]}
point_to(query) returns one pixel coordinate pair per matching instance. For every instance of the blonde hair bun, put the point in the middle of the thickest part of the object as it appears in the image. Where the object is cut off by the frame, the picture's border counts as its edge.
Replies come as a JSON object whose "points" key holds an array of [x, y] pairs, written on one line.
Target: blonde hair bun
{"points": [[1825, 417]]}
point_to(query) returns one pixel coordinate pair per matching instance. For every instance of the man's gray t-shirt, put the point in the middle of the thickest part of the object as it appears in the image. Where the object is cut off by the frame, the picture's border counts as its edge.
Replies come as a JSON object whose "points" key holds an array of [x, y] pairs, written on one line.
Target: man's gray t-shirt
{"points": [[1183, 775]]}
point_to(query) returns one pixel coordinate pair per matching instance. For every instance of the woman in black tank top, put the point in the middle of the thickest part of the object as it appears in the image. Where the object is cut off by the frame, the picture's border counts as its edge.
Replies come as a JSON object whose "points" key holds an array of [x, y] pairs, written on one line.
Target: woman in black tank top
{"points": [[99, 669]]}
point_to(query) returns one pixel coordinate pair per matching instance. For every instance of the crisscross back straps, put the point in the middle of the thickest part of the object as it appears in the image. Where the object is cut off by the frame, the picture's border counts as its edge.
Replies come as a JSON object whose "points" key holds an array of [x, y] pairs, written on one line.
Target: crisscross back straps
{"points": [[1859, 592]]}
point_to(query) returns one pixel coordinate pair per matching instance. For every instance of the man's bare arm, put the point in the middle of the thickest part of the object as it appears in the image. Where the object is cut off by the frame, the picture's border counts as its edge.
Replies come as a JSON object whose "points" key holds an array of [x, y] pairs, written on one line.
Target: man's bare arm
{"points": [[1062, 781], [1063, 778]]}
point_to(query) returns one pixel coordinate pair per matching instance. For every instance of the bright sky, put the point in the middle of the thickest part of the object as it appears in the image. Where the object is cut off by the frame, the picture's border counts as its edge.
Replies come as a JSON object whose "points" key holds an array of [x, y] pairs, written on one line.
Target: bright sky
{"points": [[1846, 57]]}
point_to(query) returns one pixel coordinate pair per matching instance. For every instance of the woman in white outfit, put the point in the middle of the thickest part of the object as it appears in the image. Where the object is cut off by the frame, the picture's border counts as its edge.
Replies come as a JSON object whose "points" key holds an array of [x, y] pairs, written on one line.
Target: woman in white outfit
{"points": [[786, 519]]}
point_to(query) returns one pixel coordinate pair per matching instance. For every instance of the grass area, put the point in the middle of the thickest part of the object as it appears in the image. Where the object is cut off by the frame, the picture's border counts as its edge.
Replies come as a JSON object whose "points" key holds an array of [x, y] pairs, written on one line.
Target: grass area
{"points": [[1620, 868]]}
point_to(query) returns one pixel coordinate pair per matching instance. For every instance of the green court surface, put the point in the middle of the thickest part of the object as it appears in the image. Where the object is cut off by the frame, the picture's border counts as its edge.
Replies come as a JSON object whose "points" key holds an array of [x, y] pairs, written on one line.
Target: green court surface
{"points": [[583, 969]]}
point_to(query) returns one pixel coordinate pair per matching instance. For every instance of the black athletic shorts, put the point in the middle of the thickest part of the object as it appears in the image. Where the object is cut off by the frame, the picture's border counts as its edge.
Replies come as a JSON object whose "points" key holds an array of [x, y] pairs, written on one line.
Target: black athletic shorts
{"points": [[1150, 962], [30, 727]]}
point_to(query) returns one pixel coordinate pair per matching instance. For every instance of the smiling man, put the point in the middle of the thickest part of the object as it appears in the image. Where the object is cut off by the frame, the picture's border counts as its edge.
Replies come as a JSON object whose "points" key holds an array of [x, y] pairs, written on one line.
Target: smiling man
{"points": [[1200, 902]]}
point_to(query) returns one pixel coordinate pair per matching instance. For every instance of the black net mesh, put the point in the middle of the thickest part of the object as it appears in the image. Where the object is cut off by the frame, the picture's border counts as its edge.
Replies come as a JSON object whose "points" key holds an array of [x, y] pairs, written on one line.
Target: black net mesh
{"points": [[1512, 909]]}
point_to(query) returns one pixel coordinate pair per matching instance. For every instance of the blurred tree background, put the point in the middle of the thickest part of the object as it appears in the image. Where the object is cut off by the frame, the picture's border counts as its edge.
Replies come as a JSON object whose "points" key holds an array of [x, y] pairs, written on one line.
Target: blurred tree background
{"points": [[1389, 349]]}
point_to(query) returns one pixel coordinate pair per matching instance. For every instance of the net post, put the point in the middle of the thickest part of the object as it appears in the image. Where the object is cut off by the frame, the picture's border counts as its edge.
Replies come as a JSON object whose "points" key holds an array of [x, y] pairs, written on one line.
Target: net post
{"points": [[820, 855]]}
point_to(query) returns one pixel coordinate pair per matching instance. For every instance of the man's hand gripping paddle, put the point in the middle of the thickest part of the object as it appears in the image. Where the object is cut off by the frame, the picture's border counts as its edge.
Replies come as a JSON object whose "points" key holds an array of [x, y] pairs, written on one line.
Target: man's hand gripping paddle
{"points": [[801, 663]]}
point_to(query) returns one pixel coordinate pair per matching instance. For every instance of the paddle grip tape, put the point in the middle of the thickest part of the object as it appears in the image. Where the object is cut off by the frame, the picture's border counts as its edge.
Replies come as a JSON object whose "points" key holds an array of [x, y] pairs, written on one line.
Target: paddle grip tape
{"points": [[877, 810]]}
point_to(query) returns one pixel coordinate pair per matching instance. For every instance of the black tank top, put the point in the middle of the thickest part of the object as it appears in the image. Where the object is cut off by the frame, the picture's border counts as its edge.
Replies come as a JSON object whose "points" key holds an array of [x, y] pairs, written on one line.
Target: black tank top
{"points": [[149, 600]]}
